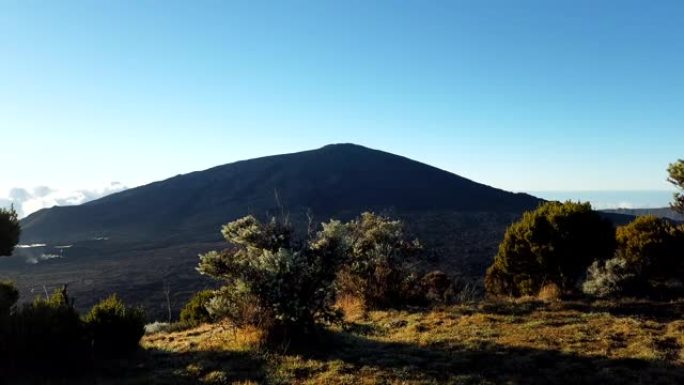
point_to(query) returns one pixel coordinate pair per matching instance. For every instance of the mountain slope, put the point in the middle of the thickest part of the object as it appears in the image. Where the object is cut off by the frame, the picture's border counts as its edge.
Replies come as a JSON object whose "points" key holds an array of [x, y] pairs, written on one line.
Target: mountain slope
{"points": [[337, 180], [144, 241]]}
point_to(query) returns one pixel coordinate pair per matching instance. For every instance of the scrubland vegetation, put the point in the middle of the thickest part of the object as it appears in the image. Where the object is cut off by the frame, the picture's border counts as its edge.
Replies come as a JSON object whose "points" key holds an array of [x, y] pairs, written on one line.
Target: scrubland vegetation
{"points": [[510, 342], [544, 322], [48, 339], [569, 299]]}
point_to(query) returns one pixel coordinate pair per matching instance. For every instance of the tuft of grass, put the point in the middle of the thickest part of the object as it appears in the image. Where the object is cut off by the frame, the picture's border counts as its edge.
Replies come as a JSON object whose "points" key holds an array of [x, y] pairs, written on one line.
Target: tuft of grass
{"points": [[352, 307], [549, 292]]}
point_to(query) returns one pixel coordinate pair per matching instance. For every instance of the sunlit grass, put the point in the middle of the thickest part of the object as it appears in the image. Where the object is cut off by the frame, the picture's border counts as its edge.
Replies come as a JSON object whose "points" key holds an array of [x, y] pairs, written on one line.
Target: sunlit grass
{"points": [[490, 343]]}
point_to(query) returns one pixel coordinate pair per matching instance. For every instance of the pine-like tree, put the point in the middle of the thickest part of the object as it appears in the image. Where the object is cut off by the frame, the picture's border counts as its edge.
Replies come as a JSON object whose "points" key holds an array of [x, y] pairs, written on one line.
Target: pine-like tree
{"points": [[676, 177], [9, 231]]}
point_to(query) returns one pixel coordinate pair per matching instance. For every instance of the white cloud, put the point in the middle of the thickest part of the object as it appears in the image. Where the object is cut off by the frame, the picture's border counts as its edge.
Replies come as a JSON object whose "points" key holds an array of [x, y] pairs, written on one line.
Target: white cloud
{"points": [[27, 201]]}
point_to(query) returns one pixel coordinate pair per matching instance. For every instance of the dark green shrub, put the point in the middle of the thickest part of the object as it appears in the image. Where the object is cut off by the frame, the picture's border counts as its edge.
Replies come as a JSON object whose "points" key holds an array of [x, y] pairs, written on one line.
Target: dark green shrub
{"points": [[282, 286], [195, 311], [8, 297], [654, 247], [47, 336], [437, 288], [114, 328], [553, 244], [497, 282]]}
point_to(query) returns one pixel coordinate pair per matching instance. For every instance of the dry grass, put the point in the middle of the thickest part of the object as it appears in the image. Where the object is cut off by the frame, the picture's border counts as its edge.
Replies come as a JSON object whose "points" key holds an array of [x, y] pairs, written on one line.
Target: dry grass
{"points": [[353, 307], [524, 342], [216, 338], [549, 292]]}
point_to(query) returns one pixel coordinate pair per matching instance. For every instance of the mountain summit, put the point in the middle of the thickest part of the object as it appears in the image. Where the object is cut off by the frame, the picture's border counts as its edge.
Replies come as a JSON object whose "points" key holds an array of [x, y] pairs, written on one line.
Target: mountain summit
{"points": [[339, 180]]}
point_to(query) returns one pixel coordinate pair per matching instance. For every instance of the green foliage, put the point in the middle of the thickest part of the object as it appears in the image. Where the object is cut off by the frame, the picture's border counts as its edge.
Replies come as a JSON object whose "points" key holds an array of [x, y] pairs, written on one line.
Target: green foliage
{"points": [[271, 281], [379, 260], [676, 177], [654, 247], [9, 231], [8, 297], [195, 311], [47, 336], [553, 244], [115, 329]]}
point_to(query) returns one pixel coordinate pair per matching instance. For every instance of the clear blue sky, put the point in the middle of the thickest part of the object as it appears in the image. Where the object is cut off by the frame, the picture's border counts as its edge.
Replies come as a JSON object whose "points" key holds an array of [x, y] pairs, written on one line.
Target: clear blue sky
{"points": [[522, 95]]}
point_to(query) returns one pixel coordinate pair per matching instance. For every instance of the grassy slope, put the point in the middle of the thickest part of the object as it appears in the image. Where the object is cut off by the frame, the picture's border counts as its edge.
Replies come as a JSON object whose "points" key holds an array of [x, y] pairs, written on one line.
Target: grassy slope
{"points": [[505, 343]]}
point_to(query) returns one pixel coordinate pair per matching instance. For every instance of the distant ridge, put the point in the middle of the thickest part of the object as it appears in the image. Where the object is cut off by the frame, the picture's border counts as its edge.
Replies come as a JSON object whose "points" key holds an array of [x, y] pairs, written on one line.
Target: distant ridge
{"points": [[664, 212], [338, 180]]}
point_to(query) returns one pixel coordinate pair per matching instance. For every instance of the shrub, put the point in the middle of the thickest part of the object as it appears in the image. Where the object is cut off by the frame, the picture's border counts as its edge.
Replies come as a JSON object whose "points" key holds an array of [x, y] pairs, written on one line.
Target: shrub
{"points": [[47, 336], [612, 278], [8, 297], [271, 281], [436, 287], [115, 329], [379, 260], [653, 247], [497, 282], [553, 244], [195, 311]]}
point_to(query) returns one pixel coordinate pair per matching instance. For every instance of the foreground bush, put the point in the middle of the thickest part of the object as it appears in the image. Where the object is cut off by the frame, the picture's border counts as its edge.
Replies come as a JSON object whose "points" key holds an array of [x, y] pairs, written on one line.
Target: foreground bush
{"points": [[273, 282], [115, 329], [380, 260], [652, 246], [48, 336], [196, 311], [649, 261], [8, 297], [553, 244], [48, 339]]}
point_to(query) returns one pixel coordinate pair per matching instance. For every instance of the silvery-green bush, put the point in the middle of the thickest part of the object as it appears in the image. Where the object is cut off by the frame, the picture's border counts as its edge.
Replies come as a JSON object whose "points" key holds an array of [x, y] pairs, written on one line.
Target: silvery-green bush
{"points": [[273, 281], [611, 278], [379, 260]]}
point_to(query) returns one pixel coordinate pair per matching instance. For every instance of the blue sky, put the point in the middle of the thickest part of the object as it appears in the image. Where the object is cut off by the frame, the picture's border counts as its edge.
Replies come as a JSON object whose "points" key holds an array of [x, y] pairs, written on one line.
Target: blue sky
{"points": [[522, 95]]}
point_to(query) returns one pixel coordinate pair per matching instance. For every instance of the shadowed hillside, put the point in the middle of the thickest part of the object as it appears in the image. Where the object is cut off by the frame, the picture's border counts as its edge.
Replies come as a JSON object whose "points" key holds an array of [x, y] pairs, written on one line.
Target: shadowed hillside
{"points": [[142, 240], [337, 180]]}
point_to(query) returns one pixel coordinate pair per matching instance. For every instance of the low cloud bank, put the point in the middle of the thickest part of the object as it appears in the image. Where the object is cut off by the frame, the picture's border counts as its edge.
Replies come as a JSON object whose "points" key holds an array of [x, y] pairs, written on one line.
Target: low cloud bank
{"points": [[603, 200], [27, 201]]}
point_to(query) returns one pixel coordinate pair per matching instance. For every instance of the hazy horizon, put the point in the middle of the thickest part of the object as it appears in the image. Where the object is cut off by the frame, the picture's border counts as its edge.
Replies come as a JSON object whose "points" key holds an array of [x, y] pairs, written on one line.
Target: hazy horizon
{"points": [[612, 199]]}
